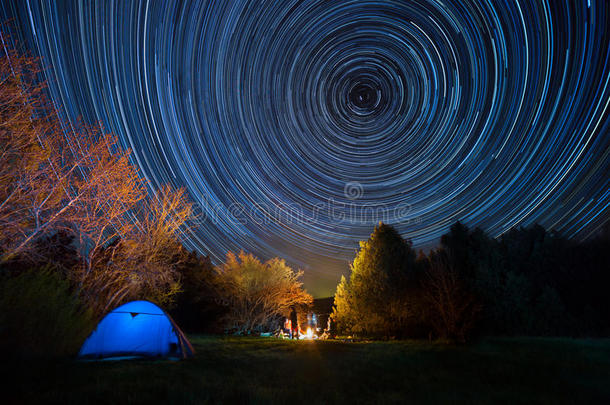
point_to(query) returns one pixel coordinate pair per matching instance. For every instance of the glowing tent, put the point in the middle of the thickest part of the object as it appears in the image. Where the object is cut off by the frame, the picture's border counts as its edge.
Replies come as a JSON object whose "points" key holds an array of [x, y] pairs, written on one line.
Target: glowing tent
{"points": [[140, 329]]}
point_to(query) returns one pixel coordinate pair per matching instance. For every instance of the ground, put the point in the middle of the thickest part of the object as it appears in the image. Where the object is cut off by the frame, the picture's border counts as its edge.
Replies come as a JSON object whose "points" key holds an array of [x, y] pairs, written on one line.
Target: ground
{"points": [[266, 370]]}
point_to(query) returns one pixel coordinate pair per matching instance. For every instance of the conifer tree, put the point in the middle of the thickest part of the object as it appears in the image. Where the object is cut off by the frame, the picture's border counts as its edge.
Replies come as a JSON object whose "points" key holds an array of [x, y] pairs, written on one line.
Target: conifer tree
{"points": [[375, 301]]}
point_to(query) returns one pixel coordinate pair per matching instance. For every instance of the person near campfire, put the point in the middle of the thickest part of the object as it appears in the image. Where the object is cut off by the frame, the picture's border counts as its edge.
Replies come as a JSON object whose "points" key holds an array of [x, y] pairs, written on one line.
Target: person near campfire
{"points": [[287, 327], [294, 331]]}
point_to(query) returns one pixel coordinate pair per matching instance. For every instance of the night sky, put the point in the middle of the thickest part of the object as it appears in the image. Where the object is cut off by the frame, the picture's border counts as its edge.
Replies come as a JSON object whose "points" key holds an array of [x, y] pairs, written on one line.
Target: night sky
{"points": [[298, 126]]}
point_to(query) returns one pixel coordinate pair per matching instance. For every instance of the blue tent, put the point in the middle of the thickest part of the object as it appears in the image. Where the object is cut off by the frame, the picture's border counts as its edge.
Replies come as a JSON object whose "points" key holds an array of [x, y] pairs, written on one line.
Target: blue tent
{"points": [[138, 328]]}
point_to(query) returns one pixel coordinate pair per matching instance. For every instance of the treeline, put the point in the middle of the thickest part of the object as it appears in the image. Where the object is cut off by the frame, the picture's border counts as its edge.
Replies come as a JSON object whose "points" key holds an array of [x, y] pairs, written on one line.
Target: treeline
{"points": [[527, 282]]}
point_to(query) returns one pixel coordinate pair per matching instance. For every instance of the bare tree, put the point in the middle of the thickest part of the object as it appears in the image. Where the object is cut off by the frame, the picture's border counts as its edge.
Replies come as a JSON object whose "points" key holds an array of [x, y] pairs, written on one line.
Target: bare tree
{"points": [[452, 308], [259, 294], [143, 262], [28, 135], [105, 198], [81, 183]]}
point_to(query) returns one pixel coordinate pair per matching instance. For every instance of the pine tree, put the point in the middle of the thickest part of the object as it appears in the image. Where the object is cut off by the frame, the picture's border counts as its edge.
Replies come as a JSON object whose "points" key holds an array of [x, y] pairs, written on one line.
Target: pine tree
{"points": [[375, 301], [342, 312]]}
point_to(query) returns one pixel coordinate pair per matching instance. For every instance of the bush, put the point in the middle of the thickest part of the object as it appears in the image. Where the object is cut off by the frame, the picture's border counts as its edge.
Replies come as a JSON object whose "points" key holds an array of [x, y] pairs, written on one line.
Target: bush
{"points": [[40, 316]]}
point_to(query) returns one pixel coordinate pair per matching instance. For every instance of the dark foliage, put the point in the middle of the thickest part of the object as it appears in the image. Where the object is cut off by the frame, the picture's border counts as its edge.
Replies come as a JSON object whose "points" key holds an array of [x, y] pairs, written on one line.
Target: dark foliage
{"points": [[57, 250], [527, 282], [40, 316], [534, 282], [449, 306], [197, 308]]}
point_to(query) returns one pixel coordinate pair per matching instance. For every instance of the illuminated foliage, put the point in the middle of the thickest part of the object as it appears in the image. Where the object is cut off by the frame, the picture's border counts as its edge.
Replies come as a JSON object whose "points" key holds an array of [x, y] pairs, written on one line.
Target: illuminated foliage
{"points": [[375, 300], [258, 294], [81, 184]]}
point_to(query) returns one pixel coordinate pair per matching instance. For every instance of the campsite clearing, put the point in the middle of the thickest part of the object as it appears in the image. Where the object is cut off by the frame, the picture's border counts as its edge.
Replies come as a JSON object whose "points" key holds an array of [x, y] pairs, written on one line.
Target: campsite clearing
{"points": [[268, 370]]}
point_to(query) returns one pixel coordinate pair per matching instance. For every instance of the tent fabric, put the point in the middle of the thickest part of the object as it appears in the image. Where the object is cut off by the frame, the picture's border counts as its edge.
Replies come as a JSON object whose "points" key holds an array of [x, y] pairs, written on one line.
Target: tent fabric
{"points": [[138, 328]]}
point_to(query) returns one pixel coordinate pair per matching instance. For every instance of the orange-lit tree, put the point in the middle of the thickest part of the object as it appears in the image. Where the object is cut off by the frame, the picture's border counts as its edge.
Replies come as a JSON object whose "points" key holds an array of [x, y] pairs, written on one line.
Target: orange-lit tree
{"points": [[143, 262], [81, 182], [28, 136], [259, 294], [155, 252]]}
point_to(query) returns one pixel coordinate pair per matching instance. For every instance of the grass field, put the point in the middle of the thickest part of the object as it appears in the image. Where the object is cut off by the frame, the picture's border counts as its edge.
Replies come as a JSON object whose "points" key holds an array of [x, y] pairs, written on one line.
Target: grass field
{"points": [[265, 370]]}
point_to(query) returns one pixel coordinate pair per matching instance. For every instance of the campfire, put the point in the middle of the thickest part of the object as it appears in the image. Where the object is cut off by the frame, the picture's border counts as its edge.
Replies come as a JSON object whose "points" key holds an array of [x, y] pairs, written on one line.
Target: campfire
{"points": [[309, 335]]}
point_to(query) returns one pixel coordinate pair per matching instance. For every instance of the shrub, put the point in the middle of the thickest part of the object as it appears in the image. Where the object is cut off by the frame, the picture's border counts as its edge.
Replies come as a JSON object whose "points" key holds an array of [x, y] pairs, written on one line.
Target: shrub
{"points": [[40, 316]]}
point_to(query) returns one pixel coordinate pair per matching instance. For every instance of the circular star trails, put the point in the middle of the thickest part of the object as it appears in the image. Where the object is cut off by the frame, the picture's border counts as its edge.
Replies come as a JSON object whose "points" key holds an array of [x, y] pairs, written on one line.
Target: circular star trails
{"points": [[297, 125]]}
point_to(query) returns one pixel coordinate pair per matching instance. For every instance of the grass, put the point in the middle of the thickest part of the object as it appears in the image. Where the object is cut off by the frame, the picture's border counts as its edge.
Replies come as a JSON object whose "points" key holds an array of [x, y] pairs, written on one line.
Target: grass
{"points": [[265, 370]]}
